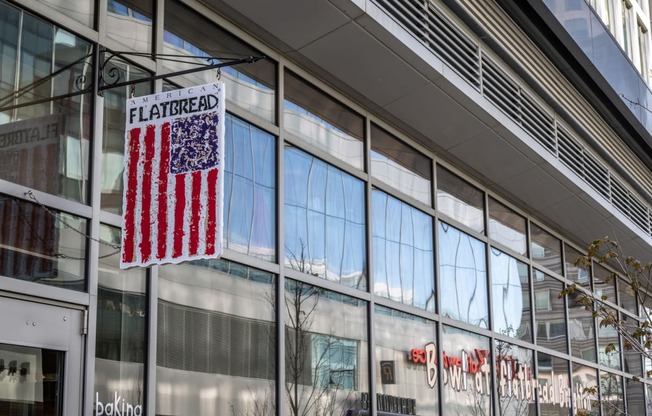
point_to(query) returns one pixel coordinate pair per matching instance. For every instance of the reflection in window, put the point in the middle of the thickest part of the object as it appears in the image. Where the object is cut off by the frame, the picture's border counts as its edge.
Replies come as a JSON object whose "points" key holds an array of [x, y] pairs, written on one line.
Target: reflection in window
{"points": [[604, 283], [466, 347], [206, 345], [188, 33], [113, 139], [459, 200], [324, 220], [129, 23], [514, 369], [41, 245], [400, 166], [396, 334], [553, 371], [313, 116], [609, 342], [545, 249], [584, 380], [249, 190], [507, 227], [635, 397], [549, 312], [611, 399], [80, 10], [325, 353], [403, 253], [510, 291], [121, 347], [32, 50], [463, 277], [581, 327], [626, 296], [574, 273]]}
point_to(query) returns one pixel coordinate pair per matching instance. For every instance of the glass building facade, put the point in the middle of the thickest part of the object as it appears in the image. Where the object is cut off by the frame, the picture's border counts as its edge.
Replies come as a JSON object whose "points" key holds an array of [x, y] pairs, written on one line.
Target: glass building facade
{"points": [[364, 271]]}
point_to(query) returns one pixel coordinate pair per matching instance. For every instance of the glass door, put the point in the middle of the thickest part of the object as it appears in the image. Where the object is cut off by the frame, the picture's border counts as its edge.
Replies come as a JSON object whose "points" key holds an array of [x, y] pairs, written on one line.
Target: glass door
{"points": [[41, 357]]}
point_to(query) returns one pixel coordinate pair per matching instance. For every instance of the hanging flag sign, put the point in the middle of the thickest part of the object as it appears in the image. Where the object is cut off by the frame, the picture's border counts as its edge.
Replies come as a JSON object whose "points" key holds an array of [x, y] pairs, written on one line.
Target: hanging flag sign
{"points": [[173, 177]]}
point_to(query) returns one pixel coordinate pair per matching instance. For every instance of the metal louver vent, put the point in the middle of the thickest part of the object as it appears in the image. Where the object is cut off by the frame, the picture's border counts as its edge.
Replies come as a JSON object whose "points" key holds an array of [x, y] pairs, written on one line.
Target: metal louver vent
{"points": [[500, 89], [586, 166], [537, 122], [439, 34]]}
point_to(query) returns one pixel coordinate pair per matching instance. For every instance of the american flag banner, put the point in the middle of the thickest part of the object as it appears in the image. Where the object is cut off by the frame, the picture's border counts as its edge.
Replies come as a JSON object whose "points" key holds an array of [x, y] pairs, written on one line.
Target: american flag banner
{"points": [[173, 193]]}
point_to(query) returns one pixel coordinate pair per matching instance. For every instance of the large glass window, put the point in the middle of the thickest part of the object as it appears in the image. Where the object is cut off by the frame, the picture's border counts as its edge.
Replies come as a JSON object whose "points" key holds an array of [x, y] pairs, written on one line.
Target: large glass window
{"points": [[459, 200], [604, 284], [608, 341], [120, 346], [626, 296], [463, 276], [581, 328], [80, 10], [585, 383], [506, 227], [510, 291], [515, 376], [39, 62], [113, 138], [467, 382], [326, 364], [403, 253], [324, 220], [216, 339], [545, 248], [554, 385], [187, 33], [400, 166], [41, 245], [549, 312], [129, 23], [611, 398], [249, 190], [316, 118], [574, 273], [406, 351]]}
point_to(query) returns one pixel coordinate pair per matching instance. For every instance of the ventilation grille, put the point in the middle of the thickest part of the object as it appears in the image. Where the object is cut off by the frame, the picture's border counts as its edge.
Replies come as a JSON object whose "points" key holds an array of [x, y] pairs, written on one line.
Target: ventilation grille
{"points": [[458, 51], [438, 34]]}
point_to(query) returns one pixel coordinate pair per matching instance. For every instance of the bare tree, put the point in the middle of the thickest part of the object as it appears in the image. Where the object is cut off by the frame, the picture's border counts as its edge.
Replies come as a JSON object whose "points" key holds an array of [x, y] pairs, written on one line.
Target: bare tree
{"points": [[635, 276]]}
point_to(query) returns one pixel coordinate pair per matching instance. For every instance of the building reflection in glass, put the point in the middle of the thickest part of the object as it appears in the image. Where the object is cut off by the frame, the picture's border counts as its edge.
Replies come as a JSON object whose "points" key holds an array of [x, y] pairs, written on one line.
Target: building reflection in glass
{"points": [[460, 200], [554, 385], [403, 254], [549, 311], [249, 190], [324, 220], [463, 276], [216, 339], [510, 291], [611, 394], [514, 375], [400, 341], [188, 33], [506, 227], [325, 351], [36, 246], [585, 384], [467, 382], [121, 341]]}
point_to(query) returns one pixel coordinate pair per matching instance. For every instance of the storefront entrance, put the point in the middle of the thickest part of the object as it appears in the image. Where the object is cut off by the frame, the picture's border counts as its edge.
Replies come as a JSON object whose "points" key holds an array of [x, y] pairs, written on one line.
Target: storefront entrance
{"points": [[40, 359]]}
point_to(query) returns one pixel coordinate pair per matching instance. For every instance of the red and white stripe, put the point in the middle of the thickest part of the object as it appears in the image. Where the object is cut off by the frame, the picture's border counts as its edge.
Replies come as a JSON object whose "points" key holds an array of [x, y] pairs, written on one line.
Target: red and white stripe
{"points": [[168, 218]]}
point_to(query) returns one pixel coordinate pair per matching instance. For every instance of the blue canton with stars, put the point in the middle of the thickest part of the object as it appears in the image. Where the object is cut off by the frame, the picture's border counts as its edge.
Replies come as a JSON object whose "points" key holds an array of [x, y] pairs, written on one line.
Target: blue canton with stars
{"points": [[194, 143]]}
